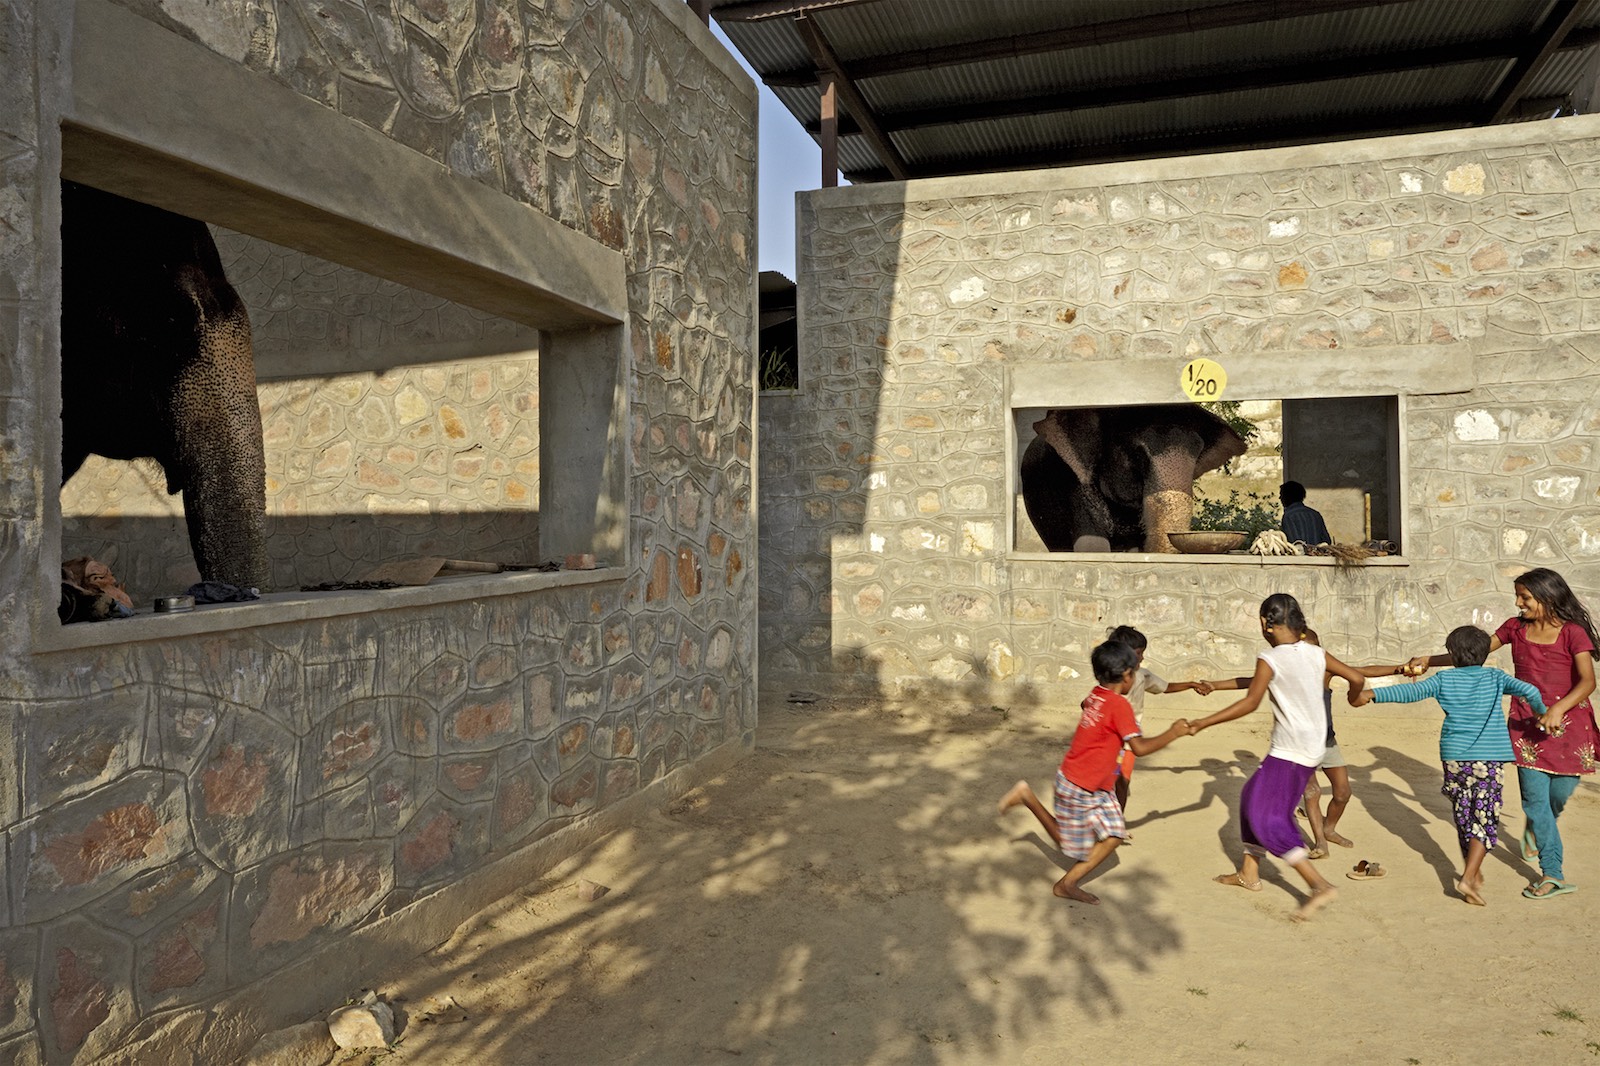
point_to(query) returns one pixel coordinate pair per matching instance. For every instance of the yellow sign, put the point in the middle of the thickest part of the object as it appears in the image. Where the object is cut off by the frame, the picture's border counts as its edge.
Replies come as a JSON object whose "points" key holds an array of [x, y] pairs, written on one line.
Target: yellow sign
{"points": [[1203, 380]]}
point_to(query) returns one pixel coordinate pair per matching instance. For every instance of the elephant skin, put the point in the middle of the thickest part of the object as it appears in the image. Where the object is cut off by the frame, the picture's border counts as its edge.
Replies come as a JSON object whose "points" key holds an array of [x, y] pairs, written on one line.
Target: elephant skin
{"points": [[1122, 476], [156, 361]]}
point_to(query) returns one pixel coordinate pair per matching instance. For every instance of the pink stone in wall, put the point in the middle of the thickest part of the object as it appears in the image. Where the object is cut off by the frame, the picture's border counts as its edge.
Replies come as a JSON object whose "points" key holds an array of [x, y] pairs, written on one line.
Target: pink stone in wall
{"points": [[349, 747], [233, 784], [467, 776], [432, 846], [305, 893], [572, 738], [79, 1002], [178, 962], [481, 720], [120, 836]]}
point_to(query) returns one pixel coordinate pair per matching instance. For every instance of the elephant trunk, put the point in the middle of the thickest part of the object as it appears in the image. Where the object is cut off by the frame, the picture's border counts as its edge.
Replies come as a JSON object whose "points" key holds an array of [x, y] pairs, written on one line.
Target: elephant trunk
{"points": [[1169, 500], [219, 452]]}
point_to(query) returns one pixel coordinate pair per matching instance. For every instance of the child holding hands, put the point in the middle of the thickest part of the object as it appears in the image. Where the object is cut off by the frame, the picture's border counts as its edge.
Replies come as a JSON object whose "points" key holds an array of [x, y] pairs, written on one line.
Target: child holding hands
{"points": [[1291, 669], [1087, 824], [1473, 742], [1144, 680]]}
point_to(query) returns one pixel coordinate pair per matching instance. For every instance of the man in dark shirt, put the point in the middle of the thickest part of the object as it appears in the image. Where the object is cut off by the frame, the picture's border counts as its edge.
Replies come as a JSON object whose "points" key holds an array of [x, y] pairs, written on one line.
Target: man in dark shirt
{"points": [[1300, 522]]}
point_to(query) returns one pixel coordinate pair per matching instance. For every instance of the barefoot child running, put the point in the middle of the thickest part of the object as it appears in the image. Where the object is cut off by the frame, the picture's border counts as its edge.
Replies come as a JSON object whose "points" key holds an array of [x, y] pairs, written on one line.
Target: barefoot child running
{"points": [[1473, 742], [1144, 680], [1088, 824], [1291, 669]]}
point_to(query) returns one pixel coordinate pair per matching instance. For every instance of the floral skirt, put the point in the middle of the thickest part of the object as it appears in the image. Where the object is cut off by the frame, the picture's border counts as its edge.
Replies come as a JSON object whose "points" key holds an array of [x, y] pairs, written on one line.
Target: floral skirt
{"points": [[1474, 792]]}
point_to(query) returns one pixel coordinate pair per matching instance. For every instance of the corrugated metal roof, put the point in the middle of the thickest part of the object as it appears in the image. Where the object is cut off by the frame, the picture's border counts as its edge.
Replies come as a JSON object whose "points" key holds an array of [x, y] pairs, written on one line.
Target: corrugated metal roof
{"points": [[1164, 76]]}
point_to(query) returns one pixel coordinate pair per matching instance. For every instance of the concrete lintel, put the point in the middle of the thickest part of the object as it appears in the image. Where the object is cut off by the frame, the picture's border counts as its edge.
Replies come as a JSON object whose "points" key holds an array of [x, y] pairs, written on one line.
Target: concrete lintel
{"points": [[166, 121], [1399, 371]]}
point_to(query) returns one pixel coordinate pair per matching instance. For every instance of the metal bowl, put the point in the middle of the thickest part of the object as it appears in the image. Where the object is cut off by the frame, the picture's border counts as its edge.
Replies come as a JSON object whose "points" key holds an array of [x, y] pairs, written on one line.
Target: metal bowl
{"points": [[1207, 542]]}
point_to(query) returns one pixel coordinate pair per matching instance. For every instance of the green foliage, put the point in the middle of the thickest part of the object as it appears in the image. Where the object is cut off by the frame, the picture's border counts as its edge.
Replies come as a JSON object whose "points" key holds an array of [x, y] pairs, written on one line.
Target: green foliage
{"points": [[780, 369], [1228, 411], [1250, 513]]}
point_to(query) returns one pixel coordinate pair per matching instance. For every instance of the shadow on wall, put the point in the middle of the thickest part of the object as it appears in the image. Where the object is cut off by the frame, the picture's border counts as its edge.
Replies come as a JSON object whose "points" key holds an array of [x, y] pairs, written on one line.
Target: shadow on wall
{"points": [[151, 556], [739, 924]]}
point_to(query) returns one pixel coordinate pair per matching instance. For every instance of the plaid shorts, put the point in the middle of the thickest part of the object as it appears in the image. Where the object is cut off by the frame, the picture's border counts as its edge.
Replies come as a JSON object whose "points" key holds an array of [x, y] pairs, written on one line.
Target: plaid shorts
{"points": [[1085, 818]]}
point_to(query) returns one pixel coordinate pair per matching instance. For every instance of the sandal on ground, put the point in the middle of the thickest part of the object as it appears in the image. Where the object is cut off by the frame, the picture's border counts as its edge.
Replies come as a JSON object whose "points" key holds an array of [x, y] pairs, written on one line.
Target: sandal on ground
{"points": [[1317, 853], [1528, 846], [1366, 871], [1557, 888], [1237, 879]]}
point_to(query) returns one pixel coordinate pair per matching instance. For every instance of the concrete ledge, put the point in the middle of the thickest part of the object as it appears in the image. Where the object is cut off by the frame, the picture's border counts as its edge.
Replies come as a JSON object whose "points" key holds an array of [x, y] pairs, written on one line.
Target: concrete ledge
{"points": [[323, 980], [163, 120], [1403, 371], [1164, 559], [277, 608]]}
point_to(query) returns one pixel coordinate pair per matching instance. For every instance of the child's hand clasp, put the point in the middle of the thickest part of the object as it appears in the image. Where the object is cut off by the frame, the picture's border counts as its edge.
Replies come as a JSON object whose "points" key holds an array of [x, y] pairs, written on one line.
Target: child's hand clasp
{"points": [[1204, 688], [1553, 723], [1361, 698]]}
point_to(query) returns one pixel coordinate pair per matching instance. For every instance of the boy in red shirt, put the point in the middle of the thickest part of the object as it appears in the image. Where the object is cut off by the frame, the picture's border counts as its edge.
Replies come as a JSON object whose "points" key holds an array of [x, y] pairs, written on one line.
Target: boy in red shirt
{"points": [[1088, 824]]}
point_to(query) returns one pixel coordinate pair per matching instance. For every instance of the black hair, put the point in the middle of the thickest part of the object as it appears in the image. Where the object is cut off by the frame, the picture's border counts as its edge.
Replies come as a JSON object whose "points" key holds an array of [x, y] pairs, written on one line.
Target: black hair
{"points": [[1282, 609], [1111, 660], [1292, 492], [1467, 645], [1552, 590], [1129, 636]]}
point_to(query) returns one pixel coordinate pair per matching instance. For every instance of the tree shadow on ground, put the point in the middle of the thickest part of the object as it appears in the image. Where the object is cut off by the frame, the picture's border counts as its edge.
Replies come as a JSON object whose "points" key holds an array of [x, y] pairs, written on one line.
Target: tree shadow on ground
{"points": [[756, 918]]}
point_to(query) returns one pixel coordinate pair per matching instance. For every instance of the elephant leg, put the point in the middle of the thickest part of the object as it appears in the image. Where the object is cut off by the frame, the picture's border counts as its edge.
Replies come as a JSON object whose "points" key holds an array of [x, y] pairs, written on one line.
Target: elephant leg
{"points": [[218, 456]]}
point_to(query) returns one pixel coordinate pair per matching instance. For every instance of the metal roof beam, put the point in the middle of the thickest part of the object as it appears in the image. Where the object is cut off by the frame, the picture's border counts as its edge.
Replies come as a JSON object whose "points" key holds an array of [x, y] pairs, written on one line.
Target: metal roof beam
{"points": [[1541, 46], [757, 10], [828, 65], [1210, 84], [1094, 35], [1236, 139]]}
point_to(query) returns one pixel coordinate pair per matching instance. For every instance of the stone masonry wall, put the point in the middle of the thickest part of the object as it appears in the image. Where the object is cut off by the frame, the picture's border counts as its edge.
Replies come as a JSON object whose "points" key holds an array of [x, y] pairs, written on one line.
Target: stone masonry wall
{"points": [[188, 815], [883, 513], [436, 454]]}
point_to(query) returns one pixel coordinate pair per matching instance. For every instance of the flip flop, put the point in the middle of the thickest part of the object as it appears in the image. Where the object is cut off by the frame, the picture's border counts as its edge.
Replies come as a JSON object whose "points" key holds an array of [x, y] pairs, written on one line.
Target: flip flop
{"points": [[1558, 888], [1529, 846], [1366, 871], [1317, 853]]}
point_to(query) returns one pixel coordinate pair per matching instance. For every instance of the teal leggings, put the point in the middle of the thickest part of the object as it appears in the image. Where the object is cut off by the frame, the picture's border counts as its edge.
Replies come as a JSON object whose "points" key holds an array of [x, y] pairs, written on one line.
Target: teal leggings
{"points": [[1544, 796]]}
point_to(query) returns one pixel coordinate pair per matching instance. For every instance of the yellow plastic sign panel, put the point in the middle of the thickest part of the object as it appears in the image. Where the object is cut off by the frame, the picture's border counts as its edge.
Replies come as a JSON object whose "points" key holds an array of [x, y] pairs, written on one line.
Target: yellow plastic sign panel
{"points": [[1203, 380]]}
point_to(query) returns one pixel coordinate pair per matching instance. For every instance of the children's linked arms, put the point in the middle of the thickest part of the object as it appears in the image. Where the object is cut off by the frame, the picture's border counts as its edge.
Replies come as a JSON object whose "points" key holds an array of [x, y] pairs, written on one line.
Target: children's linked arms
{"points": [[1145, 745], [1410, 692], [1254, 694]]}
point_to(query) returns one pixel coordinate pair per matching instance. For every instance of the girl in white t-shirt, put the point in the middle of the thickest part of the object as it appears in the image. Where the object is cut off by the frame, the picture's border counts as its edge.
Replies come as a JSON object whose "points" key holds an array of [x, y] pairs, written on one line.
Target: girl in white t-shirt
{"points": [[1291, 670]]}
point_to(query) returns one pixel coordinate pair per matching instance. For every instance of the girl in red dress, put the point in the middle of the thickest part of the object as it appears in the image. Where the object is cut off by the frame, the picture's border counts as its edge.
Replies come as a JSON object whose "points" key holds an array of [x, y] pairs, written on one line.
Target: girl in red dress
{"points": [[1552, 642]]}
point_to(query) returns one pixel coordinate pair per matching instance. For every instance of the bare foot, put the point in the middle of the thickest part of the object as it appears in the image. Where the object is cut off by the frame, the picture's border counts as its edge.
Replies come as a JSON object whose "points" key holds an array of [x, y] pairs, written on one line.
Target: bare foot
{"points": [[1319, 899], [1016, 796], [1339, 839], [1067, 891], [1469, 893], [1237, 880]]}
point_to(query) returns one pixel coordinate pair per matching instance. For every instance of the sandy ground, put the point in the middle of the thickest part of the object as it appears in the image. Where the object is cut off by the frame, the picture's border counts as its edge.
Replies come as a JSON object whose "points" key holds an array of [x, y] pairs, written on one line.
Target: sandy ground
{"points": [[848, 894]]}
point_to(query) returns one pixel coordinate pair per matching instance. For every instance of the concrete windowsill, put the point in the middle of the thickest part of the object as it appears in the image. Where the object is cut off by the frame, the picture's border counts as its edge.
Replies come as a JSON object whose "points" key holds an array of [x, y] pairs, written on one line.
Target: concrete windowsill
{"points": [[277, 608], [1241, 559]]}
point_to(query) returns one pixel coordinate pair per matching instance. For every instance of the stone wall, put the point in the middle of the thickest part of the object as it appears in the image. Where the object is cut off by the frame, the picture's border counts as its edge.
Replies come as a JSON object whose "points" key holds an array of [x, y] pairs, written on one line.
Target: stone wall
{"points": [[396, 423], [191, 809], [1459, 271]]}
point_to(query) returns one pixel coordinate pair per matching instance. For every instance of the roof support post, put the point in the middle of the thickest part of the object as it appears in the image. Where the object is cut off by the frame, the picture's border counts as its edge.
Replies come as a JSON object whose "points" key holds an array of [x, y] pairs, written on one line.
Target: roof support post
{"points": [[830, 130]]}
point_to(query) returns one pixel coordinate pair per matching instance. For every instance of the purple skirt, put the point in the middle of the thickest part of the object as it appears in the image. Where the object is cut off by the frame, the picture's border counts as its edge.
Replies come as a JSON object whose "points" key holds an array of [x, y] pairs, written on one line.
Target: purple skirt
{"points": [[1266, 809]]}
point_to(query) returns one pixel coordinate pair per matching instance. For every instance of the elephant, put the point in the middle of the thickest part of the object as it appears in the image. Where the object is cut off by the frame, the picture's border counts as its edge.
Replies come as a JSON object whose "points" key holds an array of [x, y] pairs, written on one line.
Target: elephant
{"points": [[156, 361], [1120, 476]]}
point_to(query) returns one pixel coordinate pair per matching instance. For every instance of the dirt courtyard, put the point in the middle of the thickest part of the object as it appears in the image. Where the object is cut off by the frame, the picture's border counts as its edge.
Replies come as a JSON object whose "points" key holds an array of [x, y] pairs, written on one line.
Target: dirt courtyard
{"points": [[848, 894]]}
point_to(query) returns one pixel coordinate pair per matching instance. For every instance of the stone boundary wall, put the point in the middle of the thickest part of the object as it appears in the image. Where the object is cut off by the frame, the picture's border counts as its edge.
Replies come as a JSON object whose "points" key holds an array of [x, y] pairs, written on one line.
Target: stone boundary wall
{"points": [[884, 511], [185, 817], [435, 453]]}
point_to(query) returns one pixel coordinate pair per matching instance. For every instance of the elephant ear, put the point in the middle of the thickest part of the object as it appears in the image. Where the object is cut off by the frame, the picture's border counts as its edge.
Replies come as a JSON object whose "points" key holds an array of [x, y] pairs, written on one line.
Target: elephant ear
{"points": [[1222, 442], [1075, 436]]}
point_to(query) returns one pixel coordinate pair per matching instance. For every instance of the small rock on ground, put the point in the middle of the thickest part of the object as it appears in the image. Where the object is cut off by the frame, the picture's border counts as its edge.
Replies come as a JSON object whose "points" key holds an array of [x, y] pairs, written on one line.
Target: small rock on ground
{"points": [[307, 1044]]}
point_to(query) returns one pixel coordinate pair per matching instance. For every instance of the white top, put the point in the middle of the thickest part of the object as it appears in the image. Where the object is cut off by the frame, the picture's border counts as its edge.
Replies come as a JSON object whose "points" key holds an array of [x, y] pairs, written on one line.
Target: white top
{"points": [[1299, 722], [1143, 681]]}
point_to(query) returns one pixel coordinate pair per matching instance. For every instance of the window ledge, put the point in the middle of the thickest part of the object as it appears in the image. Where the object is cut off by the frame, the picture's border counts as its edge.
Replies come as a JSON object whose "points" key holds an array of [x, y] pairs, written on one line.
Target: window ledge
{"points": [[277, 608], [1237, 559]]}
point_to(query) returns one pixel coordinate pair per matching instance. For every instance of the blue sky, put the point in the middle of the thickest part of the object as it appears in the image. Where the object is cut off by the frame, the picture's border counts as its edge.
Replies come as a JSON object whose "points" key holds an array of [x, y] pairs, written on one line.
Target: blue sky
{"points": [[789, 160]]}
